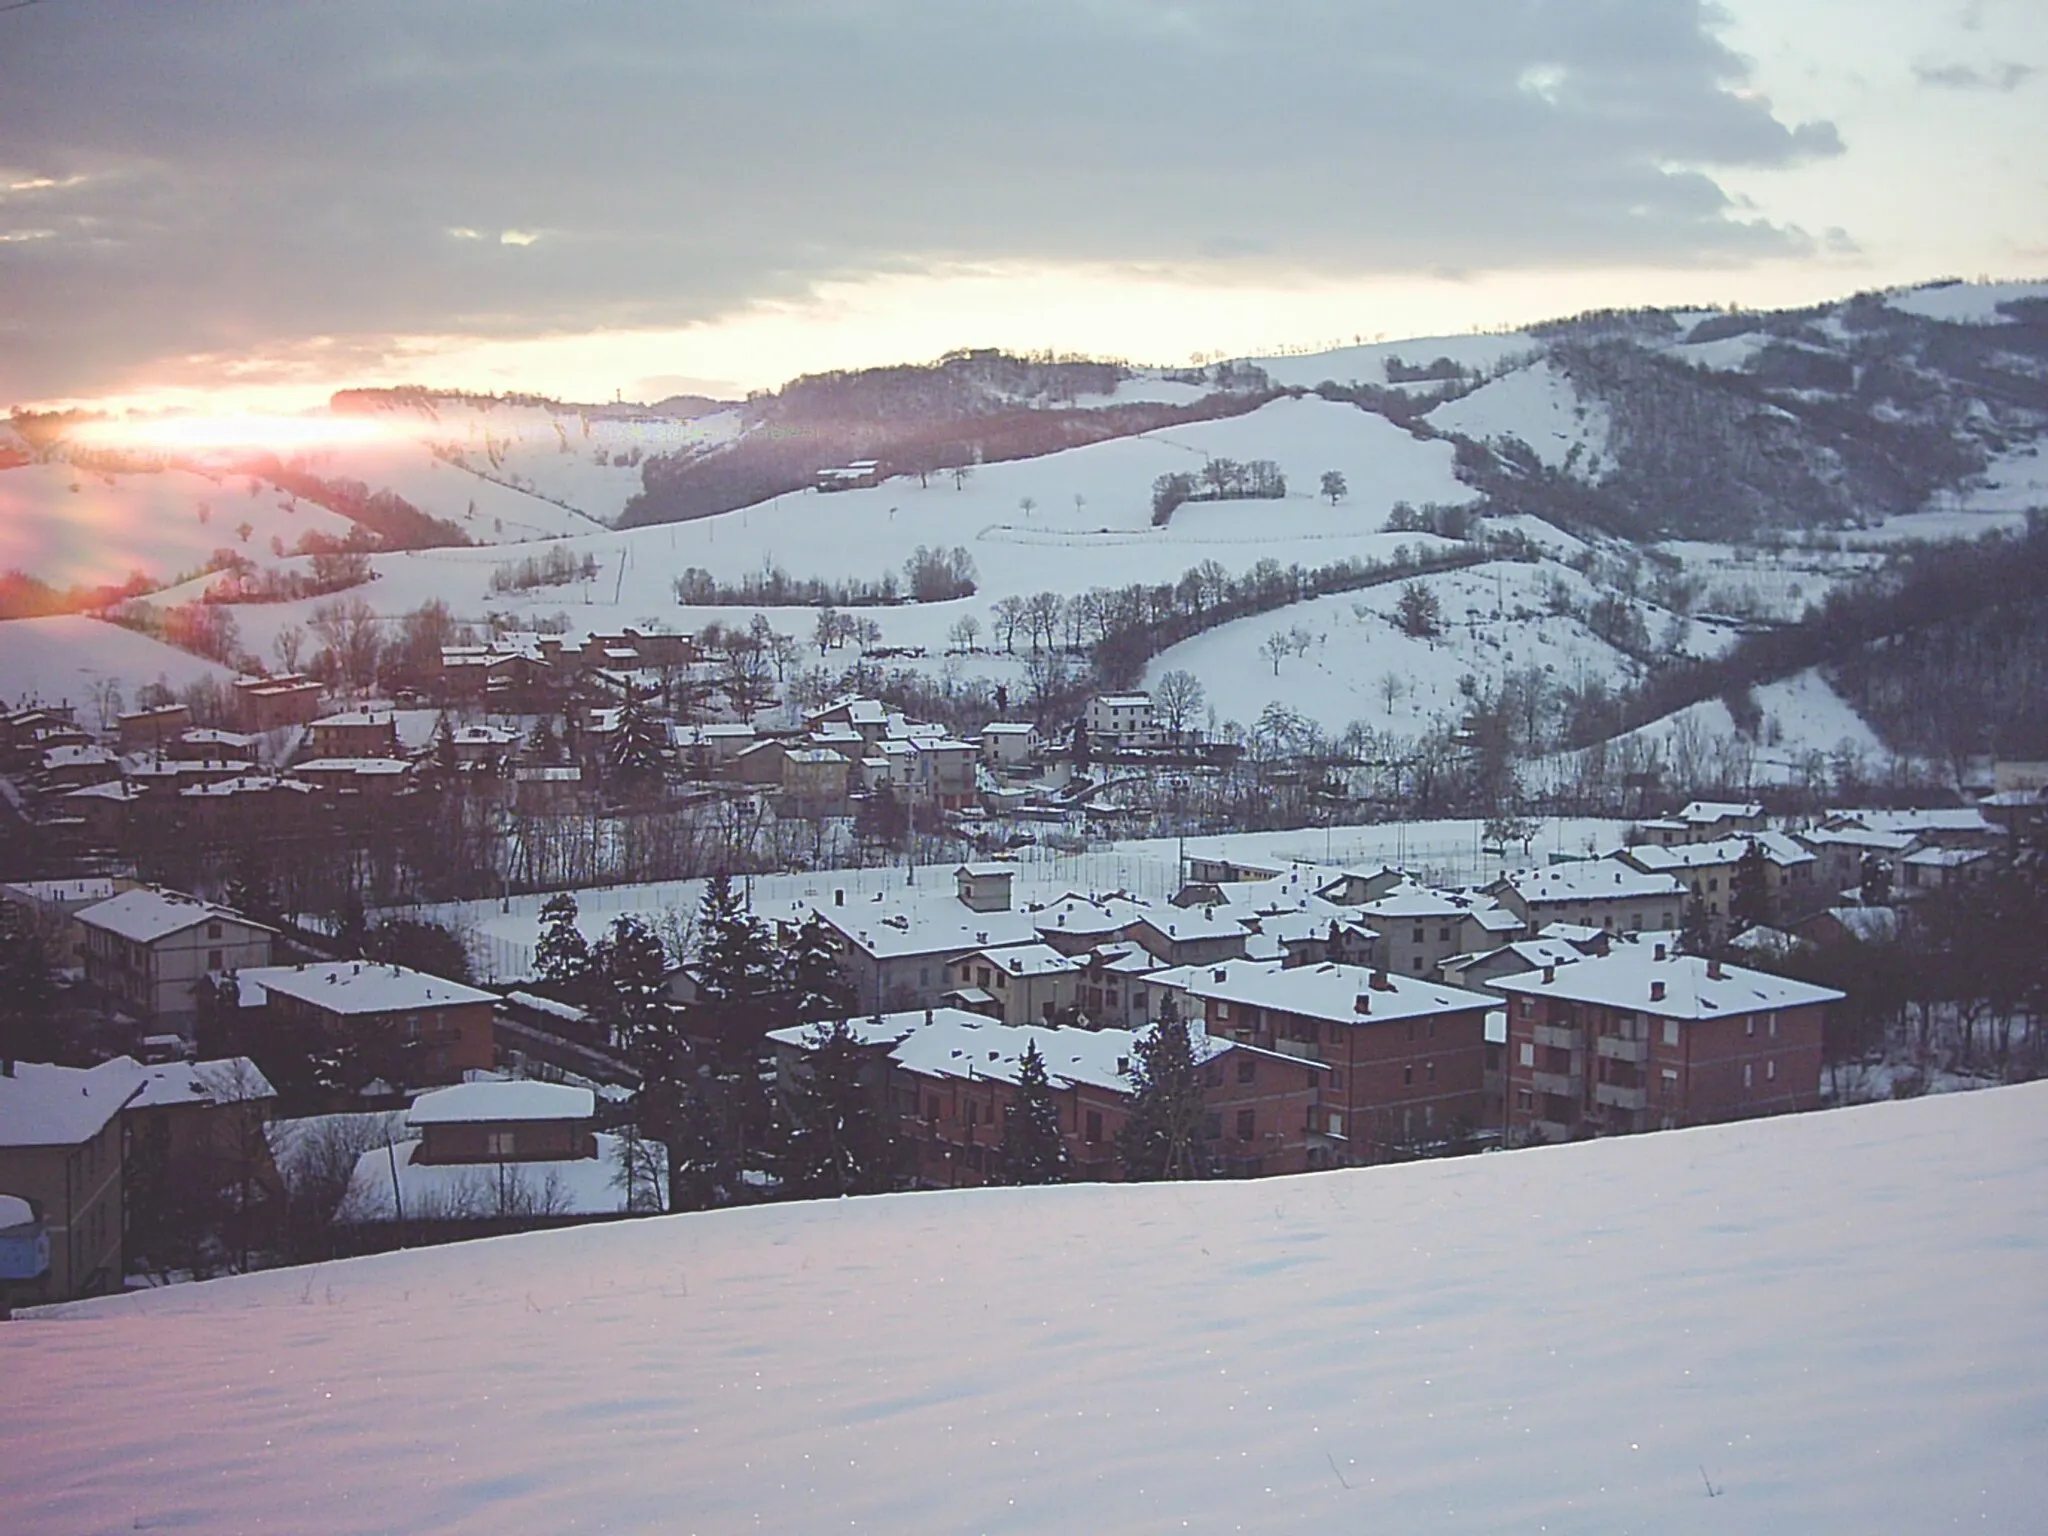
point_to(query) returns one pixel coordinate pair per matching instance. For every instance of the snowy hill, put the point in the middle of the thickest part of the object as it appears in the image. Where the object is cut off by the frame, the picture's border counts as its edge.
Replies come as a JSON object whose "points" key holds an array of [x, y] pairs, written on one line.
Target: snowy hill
{"points": [[1828, 1323], [66, 658]]}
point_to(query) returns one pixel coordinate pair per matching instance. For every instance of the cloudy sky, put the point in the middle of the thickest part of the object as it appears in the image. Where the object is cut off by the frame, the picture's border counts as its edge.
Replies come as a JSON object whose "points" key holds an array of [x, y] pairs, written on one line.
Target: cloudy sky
{"points": [[270, 197]]}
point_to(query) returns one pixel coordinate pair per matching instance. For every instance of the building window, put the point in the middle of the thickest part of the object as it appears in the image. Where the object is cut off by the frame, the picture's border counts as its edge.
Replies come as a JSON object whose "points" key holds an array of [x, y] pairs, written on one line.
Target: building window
{"points": [[1523, 1100], [1669, 1083], [1528, 1053], [1429, 1070], [1443, 935], [1095, 1125], [1748, 1074], [1408, 1075], [213, 960], [1418, 935], [1749, 1025], [1770, 1071], [1247, 1069], [213, 930], [499, 1143], [1247, 1125], [1671, 1031], [1771, 1023]]}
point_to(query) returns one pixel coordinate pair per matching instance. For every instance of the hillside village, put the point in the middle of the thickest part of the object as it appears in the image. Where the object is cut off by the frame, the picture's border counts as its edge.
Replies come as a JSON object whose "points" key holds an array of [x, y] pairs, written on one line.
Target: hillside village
{"points": [[411, 1074], [545, 815]]}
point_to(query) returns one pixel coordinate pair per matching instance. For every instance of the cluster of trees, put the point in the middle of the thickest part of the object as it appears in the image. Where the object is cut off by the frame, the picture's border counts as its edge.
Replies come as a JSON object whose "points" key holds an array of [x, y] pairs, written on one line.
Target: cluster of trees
{"points": [[928, 576], [388, 515], [1943, 651], [243, 581], [557, 568], [1221, 480], [23, 596]]}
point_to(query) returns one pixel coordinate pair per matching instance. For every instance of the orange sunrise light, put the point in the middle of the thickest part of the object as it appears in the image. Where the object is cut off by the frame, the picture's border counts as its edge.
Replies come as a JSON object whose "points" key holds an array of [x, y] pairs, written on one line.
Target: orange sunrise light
{"points": [[228, 433]]}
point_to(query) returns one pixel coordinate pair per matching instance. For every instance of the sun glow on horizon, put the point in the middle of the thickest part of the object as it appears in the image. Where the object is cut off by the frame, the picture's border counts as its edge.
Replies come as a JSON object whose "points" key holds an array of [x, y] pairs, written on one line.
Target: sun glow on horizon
{"points": [[250, 431]]}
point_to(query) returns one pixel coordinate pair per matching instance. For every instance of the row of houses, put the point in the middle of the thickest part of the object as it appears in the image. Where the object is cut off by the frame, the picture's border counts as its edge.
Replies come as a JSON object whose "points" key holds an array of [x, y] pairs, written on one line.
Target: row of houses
{"points": [[1328, 1065]]}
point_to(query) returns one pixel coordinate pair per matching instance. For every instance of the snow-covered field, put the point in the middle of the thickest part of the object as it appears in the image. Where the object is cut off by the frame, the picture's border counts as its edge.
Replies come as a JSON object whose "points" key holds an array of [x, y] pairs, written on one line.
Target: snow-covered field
{"points": [[1368, 364], [63, 659], [70, 525], [1494, 622], [1089, 524], [1829, 1323], [1539, 406], [1965, 303]]}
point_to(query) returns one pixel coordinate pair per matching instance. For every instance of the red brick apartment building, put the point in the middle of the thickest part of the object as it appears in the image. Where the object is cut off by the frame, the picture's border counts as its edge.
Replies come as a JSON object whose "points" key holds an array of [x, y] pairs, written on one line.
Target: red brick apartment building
{"points": [[1645, 1039], [1406, 1057], [453, 1023], [949, 1079]]}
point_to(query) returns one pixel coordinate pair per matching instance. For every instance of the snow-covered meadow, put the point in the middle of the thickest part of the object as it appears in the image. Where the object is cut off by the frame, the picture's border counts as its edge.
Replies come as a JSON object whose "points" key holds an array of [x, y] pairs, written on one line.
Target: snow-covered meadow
{"points": [[1829, 1323]]}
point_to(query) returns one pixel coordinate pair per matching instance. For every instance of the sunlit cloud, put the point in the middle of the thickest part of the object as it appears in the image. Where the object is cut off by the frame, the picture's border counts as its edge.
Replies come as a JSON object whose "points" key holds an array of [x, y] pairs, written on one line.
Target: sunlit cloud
{"points": [[516, 237]]}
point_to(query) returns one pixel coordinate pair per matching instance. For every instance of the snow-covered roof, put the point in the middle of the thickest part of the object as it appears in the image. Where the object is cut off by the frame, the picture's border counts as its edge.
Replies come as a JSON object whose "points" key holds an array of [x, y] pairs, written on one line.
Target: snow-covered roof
{"points": [[1623, 978], [471, 1103], [113, 789], [1091, 915], [1939, 819], [86, 755], [548, 1005], [1856, 837], [1945, 858], [15, 1212], [359, 717], [981, 871], [938, 924], [1777, 848], [50, 1106], [1707, 812], [1008, 728], [1872, 925], [231, 1080], [580, 1186], [1414, 901], [1589, 880], [365, 767], [1029, 959], [1186, 924], [84, 889], [362, 986], [147, 914], [1331, 991]]}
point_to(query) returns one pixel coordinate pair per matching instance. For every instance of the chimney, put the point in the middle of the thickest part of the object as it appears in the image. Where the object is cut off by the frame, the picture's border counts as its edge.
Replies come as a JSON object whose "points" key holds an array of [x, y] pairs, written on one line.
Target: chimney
{"points": [[1656, 991], [1714, 971], [1218, 974], [1381, 981], [927, 1015], [1660, 953], [839, 897], [1549, 974], [1362, 1003]]}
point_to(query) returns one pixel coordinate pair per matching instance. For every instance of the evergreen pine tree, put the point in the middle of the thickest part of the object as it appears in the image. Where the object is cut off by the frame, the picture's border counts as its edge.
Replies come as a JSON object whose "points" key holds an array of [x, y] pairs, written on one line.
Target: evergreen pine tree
{"points": [[815, 987], [1749, 893], [1696, 929], [834, 1142], [562, 955], [638, 748], [1083, 750], [1166, 1135], [1034, 1151], [736, 969]]}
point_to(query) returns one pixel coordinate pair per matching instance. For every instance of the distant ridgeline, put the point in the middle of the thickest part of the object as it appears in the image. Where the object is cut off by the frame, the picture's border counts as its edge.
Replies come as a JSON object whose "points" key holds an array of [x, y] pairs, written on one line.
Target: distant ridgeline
{"points": [[1843, 413], [923, 419]]}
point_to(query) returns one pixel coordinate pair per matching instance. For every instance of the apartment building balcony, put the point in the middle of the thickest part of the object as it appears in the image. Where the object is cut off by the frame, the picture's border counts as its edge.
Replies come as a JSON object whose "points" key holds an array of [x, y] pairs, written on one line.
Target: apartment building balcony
{"points": [[1558, 1084], [1619, 1048], [1615, 1096], [1564, 1037]]}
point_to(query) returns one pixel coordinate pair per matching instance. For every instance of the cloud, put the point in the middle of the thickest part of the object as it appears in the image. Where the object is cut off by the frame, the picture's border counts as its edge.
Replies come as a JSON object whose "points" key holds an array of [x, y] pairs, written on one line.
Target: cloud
{"points": [[249, 175], [1966, 77]]}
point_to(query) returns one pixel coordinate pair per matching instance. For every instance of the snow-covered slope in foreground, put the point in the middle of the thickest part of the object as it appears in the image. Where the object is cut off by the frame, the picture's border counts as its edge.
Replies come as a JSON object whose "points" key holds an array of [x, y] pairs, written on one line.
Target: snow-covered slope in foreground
{"points": [[1834, 1323]]}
